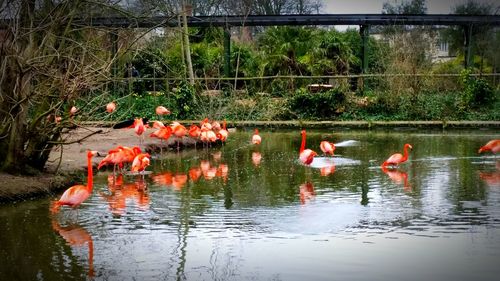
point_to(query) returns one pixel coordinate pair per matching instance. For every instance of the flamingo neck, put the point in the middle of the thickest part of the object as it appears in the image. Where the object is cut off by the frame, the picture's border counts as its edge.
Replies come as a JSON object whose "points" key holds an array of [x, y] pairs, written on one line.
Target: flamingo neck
{"points": [[405, 153], [224, 125], [90, 177], [303, 144]]}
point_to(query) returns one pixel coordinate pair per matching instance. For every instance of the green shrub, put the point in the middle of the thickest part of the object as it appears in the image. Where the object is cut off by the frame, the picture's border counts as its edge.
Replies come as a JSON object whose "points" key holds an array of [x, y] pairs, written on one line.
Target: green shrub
{"points": [[476, 92], [323, 105]]}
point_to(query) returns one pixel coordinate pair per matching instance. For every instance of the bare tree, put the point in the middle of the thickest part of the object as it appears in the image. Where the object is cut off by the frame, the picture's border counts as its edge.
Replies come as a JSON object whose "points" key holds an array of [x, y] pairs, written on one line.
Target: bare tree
{"points": [[47, 62]]}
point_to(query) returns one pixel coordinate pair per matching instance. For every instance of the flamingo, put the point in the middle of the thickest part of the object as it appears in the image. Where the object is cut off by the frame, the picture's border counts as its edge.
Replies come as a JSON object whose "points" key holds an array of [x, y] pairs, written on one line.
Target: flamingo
{"points": [[140, 162], [194, 132], [73, 111], [223, 133], [306, 156], [397, 158], [179, 131], [158, 125], [492, 145], [119, 156], [76, 194], [327, 147], [110, 107], [161, 110], [163, 134], [139, 128], [216, 126], [256, 139]]}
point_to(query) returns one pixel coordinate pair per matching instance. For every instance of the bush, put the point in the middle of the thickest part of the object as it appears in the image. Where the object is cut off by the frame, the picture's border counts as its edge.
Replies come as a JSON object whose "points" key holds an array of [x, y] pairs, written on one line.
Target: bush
{"points": [[323, 105], [477, 92]]}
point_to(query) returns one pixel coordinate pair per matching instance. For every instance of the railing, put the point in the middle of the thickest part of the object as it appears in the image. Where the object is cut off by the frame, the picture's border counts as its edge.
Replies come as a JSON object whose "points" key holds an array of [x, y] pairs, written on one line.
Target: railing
{"points": [[351, 82]]}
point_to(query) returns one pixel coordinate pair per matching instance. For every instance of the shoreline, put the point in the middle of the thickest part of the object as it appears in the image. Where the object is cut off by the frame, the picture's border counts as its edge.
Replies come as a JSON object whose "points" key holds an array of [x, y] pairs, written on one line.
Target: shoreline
{"points": [[72, 162]]}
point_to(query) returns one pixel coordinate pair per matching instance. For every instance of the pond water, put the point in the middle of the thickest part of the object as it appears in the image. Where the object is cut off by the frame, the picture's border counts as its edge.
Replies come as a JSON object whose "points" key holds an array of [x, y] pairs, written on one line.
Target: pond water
{"points": [[245, 212]]}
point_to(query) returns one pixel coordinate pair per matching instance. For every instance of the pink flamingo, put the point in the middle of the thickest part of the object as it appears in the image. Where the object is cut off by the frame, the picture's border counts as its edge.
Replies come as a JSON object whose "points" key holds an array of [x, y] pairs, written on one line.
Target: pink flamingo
{"points": [[398, 158], [256, 139], [139, 128], [179, 131], [161, 110], [73, 111], [110, 107], [140, 162], [76, 194], [327, 147], [223, 133], [194, 132], [492, 145], [306, 156]]}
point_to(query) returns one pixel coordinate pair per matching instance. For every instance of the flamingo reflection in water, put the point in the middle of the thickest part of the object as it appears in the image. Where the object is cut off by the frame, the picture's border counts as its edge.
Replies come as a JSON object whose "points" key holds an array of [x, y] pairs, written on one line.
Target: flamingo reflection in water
{"points": [[326, 171], [76, 236], [123, 192], [306, 192], [398, 177], [168, 179], [491, 178]]}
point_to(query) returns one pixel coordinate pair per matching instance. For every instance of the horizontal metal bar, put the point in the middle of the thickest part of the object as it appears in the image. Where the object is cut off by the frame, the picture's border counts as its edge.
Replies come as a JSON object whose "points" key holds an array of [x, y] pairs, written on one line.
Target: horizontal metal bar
{"points": [[306, 77], [273, 20]]}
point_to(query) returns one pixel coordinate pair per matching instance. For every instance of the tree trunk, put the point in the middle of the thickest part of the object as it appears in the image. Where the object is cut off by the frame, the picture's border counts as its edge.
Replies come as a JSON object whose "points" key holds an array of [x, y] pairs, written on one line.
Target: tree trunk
{"points": [[186, 44], [14, 161]]}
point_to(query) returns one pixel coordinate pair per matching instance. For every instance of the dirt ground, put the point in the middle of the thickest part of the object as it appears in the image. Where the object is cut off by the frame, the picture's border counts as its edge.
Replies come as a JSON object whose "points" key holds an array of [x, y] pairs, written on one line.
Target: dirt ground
{"points": [[72, 160]]}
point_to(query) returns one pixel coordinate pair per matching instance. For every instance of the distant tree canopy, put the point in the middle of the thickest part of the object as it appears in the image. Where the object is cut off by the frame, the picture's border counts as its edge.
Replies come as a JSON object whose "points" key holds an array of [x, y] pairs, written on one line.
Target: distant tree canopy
{"points": [[226, 7], [484, 39], [415, 7]]}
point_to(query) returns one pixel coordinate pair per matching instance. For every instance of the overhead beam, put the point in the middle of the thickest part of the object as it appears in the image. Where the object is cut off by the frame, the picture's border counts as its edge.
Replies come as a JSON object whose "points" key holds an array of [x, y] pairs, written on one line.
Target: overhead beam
{"points": [[273, 20]]}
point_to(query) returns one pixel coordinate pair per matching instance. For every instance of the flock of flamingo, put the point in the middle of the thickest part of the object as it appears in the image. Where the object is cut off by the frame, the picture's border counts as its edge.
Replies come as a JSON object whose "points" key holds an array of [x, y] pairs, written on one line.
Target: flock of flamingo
{"points": [[207, 133]]}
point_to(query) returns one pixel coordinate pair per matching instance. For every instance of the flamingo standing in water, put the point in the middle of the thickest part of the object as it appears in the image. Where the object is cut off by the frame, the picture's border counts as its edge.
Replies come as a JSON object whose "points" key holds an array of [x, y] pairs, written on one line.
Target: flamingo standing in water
{"points": [[492, 145], [327, 147], [256, 139], [140, 162], [398, 158], [306, 156], [76, 194]]}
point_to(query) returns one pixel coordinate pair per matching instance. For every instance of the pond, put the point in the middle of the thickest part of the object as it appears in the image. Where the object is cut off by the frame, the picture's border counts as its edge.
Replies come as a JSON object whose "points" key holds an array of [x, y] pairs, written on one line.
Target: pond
{"points": [[246, 212]]}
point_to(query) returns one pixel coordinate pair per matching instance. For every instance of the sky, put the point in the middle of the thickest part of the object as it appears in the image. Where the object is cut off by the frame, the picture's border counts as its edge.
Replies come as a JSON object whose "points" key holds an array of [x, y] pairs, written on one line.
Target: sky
{"points": [[375, 6]]}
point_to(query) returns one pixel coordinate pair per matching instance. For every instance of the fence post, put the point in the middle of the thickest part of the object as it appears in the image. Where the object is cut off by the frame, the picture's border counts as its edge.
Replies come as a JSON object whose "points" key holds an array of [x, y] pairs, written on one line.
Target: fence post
{"points": [[114, 50], [468, 45], [364, 31], [227, 53]]}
